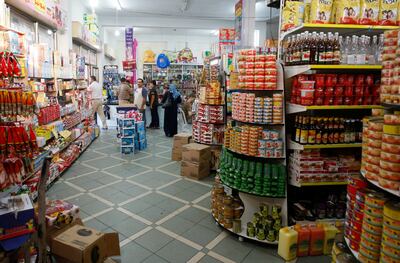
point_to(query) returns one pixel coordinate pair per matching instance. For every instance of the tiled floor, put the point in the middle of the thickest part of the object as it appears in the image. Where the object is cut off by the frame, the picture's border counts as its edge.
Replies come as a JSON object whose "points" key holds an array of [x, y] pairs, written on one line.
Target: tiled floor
{"points": [[160, 216]]}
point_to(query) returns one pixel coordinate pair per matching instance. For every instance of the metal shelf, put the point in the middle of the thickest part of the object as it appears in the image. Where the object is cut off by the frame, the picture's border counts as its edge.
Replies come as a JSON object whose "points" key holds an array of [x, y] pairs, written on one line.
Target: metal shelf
{"points": [[341, 28], [317, 184], [291, 71], [393, 192], [296, 108], [259, 123], [277, 158], [391, 106], [251, 193], [297, 146]]}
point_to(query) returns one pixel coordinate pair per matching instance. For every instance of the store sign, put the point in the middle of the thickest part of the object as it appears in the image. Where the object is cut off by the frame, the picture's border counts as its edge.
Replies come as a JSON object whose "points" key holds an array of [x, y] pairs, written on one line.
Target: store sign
{"points": [[129, 43], [129, 65]]}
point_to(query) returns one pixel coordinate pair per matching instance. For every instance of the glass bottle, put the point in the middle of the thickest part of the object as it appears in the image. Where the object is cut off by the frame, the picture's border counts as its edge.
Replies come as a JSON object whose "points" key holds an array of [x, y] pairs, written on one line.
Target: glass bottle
{"points": [[312, 132], [328, 48], [305, 53], [379, 50], [319, 127], [325, 131], [321, 49], [361, 51], [336, 50], [304, 131], [345, 50], [352, 51], [372, 59], [314, 48], [298, 129]]}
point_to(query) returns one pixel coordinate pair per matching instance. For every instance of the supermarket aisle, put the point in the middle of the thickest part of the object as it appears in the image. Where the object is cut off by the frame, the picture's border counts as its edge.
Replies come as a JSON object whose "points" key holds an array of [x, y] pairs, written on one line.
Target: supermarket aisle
{"points": [[160, 216]]}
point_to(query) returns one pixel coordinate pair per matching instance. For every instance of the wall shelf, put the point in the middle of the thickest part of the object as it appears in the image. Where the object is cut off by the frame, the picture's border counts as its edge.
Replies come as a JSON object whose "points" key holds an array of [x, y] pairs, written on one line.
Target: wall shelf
{"points": [[297, 146], [296, 108]]}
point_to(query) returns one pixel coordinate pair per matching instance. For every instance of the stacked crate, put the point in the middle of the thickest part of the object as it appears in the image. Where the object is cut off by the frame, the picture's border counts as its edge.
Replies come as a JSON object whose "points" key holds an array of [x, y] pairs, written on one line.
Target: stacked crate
{"points": [[128, 131]]}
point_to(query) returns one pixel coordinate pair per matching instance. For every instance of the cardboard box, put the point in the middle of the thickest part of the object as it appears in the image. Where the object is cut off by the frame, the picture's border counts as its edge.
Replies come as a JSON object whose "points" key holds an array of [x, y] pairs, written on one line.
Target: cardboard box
{"points": [[195, 170], [181, 139], [79, 244], [196, 153], [176, 155]]}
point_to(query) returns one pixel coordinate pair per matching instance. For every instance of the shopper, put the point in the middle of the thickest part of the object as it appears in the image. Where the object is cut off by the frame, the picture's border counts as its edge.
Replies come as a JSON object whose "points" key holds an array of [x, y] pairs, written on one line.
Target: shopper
{"points": [[170, 102], [96, 91], [140, 98], [124, 92], [153, 100]]}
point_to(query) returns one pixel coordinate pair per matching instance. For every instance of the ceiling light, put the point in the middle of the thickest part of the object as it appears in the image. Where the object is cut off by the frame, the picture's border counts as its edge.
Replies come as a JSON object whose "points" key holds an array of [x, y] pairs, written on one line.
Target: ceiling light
{"points": [[93, 3], [118, 5], [117, 33], [215, 32], [49, 32]]}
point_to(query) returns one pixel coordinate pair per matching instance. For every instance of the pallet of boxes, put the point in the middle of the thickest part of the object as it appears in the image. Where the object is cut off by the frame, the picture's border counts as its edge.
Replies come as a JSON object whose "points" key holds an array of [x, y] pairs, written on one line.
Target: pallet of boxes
{"points": [[196, 159]]}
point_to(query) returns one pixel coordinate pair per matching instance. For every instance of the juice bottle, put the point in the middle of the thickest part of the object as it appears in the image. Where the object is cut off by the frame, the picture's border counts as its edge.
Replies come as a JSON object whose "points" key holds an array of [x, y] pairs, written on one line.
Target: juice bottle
{"points": [[316, 240], [303, 240], [287, 246], [329, 239]]}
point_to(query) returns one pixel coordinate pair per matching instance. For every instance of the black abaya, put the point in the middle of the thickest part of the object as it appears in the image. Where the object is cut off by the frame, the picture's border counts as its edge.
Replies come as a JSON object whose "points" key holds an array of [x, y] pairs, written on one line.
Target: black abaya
{"points": [[171, 115]]}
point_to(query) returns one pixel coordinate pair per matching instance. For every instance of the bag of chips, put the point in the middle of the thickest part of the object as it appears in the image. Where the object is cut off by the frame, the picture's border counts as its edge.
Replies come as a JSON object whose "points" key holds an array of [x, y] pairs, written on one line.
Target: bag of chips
{"points": [[292, 14], [348, 11], [321, 11], [369, 12], [388, 12]]}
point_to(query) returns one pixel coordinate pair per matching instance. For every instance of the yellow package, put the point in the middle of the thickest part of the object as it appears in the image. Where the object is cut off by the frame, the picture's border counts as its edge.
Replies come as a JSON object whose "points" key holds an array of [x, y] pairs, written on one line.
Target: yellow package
{"points": [[388, 12], [369, 12], [307, 10], [333, 13], [292, 15], [321, 11], [348, 11]]}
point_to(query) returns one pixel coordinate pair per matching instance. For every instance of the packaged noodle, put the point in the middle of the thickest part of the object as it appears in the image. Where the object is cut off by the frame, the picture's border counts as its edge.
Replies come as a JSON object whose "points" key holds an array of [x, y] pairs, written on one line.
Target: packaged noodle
{"points": [[293, 13], [369, 12], [388, 13], [347, 11], [321, 11]]}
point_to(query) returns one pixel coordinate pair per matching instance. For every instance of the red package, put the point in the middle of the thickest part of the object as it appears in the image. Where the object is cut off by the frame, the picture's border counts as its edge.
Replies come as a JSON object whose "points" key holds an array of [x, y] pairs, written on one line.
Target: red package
{"points": [[348, 91]]}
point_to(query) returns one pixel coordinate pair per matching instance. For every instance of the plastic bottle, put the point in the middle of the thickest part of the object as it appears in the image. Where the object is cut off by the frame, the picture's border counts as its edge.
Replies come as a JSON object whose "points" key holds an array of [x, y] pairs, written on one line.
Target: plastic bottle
{"points": [[362, 51], [329, 239], [303, 240], [317, 236], [352, 51], [372, 59], [287, 246], [379, 50]]}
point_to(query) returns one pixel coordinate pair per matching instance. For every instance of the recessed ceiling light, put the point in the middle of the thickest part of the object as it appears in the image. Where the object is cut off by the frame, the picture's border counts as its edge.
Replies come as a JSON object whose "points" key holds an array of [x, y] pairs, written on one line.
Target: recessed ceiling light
{"points": [[93, 3], [117, 33], [49, 32]]}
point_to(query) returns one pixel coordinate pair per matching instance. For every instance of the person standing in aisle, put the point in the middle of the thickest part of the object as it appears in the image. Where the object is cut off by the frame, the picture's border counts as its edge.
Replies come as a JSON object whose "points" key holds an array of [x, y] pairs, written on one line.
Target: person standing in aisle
{"points": [[170, 102], [124, 92], [140, 98], [153, 98], [96, 91]]}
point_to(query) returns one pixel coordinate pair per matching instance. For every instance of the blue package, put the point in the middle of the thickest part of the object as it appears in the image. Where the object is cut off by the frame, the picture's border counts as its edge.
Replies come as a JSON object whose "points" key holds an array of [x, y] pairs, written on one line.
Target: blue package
{"points": [[127, 149], [128, 123], [126, 141], [140, 126], [128, 132]]}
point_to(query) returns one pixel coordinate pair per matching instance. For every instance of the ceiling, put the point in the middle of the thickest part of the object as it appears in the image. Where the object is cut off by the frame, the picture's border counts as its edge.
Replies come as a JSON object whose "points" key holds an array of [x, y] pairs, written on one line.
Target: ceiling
{"points": [[166, 31], [200, 9]]}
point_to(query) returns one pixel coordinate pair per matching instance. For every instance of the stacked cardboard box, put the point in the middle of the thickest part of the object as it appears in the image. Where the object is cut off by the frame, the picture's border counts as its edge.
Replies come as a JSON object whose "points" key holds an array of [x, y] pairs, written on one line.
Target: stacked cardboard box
{"points": [[180, 139], [196, 160]]}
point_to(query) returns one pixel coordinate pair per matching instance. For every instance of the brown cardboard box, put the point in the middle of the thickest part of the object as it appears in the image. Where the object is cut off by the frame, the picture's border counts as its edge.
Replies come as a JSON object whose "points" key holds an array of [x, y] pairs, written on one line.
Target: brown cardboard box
{"points": [[181, 139], [176, 154], [196, 153], [79, 244], [195, 170]]}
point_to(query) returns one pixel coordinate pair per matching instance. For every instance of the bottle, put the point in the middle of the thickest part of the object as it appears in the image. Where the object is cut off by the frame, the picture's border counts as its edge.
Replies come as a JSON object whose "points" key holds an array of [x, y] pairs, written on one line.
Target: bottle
{"points": [[336, 50], [314, 48], [336, 131], [288, 55], [352, 131], [352, 51], [345, 50], [305, 53], [330, 129], [325, 131], [361, 51], [298, 129], [347, 134], [341, 130], [359, 128], [328, 48], [372, 60], [321, 49], [312, 132], [319, 128], [296, 51], [304, 131], [379, 50]]}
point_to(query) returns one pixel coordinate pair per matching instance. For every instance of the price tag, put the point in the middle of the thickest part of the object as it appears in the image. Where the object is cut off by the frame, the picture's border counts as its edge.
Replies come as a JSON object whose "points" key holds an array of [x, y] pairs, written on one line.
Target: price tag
{"points": [[228, 190], [65, 134], [55, 133]]}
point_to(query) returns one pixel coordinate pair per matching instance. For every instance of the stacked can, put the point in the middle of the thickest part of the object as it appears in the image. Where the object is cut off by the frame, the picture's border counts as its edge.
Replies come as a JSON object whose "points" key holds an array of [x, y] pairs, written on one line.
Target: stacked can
{"points": [[277, 102], [390, 249], [372, 140], [354, 213], [227, 137], [253, 140], [268, 110], [250, 107], [258, 109], [369, 250], [270, 145]]}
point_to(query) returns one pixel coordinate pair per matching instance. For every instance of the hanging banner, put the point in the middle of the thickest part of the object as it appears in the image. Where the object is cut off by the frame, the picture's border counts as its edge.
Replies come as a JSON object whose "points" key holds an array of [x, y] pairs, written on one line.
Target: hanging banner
{"points": [[129, 43], [238, 20], [129, 65]]}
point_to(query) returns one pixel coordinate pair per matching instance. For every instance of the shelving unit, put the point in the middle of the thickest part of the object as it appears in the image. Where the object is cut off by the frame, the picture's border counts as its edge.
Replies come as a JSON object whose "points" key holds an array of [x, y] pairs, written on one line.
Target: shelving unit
{"points": [[355, 253], [295, 108], [297, 146], [393, 192], [257, 157]]}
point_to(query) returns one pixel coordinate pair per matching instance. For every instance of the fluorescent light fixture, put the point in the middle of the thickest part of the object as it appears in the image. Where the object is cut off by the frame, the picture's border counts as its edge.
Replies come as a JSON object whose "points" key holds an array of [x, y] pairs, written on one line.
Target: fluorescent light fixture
{"points": [[49, 32], [117, 33], [215, 32], [118, 5], [256, 38]]}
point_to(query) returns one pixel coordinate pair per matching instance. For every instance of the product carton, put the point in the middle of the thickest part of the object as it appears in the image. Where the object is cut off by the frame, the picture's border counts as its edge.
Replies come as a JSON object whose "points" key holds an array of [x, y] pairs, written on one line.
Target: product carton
{"points": [[79, 244], [196, 153], [179, 140], [195, 170]]}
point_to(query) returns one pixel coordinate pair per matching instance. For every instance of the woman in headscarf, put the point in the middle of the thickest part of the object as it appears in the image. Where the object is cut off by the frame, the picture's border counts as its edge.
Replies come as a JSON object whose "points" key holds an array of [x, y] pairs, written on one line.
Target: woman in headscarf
{"points": [[170, 102]]}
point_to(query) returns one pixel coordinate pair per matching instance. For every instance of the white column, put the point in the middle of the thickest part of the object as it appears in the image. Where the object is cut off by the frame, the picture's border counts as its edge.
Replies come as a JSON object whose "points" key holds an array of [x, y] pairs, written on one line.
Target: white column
{"points": [[248, 22]]}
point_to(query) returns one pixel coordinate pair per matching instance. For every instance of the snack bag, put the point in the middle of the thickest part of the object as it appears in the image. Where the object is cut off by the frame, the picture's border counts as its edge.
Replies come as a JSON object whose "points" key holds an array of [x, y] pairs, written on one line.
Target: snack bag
{"points": [[307, 10], [321, 11], [388, 12], [369, 12], [293, 13], [348, 11]]}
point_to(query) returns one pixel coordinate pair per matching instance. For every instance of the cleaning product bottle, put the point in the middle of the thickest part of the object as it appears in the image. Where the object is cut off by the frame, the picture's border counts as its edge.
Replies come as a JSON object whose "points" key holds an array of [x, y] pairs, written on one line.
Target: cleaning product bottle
{"points": [[287, 246], [329, 239], [303, 240], [316, 240]]}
